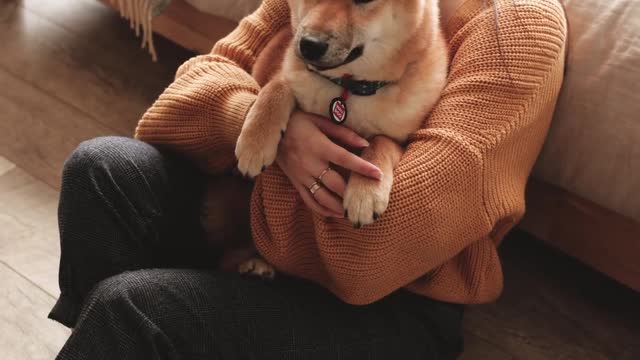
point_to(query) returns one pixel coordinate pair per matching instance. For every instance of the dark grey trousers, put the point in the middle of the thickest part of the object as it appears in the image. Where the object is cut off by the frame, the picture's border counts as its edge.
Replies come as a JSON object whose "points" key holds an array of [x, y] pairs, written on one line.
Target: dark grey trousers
{"points": [[137, 279]]}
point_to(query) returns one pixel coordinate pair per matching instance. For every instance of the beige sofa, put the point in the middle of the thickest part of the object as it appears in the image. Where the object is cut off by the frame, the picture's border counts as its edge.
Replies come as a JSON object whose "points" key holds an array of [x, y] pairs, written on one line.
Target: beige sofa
{"points": [[585, 196]]}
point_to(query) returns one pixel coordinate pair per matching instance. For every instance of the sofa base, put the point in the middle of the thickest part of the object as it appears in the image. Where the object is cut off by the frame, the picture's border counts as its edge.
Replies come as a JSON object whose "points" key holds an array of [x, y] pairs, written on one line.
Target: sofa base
{"points": [[605, 240]]}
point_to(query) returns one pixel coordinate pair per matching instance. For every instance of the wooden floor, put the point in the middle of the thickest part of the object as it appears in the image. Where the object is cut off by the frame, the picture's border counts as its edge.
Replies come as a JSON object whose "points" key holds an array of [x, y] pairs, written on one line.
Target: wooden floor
{"points": [[71, 70]]}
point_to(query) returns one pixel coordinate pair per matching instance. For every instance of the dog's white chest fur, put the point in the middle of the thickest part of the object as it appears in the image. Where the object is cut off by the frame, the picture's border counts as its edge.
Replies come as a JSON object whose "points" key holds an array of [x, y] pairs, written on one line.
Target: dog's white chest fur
{"points": [[389, 112]]}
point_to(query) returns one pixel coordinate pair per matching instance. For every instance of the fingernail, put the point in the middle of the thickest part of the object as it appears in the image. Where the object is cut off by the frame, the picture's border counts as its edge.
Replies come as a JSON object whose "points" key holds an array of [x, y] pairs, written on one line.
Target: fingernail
{"points": [[377, 174], [364, 143]]}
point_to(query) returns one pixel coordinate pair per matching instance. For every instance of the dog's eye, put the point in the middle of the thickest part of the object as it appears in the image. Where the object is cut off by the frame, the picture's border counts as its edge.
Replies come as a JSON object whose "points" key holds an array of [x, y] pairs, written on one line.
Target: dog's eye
{"points": [[362, 1]]}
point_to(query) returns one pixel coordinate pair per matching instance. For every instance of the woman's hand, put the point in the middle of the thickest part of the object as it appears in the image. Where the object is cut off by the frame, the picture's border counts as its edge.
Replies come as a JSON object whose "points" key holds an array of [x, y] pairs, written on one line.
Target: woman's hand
{"points": [[306, 151]]}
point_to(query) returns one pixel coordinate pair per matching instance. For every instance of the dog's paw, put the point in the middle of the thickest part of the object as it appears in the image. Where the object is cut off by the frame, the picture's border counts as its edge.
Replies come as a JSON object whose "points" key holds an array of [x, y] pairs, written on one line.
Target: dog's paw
{"points": [[257, 267], [365, 199], [256, 151]]}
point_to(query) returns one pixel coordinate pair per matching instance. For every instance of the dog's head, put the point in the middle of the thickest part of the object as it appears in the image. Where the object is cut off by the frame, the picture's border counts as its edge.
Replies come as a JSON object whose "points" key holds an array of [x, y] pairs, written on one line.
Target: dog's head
{"points": [[331, 34]]}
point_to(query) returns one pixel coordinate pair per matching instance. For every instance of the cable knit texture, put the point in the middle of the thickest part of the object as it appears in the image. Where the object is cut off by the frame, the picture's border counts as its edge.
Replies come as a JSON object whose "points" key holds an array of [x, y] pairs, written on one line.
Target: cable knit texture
{"points": [[458, 189]]}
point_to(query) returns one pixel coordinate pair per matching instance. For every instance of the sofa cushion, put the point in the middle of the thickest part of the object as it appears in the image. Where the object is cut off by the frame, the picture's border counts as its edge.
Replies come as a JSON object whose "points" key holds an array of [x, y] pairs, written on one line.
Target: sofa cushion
{"points": [[593, 148]]}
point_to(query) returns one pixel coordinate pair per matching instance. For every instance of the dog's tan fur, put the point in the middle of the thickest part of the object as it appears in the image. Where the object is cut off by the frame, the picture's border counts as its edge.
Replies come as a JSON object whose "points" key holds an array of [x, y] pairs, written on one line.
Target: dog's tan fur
{"points": [[403, 44]]}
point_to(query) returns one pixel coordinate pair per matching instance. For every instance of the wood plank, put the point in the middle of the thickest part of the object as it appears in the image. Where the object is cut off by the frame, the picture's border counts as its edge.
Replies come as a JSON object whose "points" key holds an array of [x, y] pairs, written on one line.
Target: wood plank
{"points": [[38, 132], [62, 48], [597, 236], [29, 240], [554, 307], [477, 348], [5, 165], [27, 334], [29, 256]]}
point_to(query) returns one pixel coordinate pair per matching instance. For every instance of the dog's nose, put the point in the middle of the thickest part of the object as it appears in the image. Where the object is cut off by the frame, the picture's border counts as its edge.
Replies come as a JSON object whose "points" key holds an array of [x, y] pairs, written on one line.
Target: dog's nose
{"points": [[312, 49]]}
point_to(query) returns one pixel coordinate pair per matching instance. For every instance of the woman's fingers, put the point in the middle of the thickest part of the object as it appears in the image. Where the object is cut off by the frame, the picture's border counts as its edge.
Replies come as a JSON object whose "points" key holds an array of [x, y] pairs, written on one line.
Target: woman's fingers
{"points": [[311, 202], [341, 157], [305, 153], [327, 200], [343, 134], [334, 182]]}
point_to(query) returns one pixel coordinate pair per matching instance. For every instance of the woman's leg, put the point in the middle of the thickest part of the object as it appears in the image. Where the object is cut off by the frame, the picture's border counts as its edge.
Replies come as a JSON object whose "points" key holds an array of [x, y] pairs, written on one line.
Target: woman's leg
{"points": [[203, 314], [124, 205]]}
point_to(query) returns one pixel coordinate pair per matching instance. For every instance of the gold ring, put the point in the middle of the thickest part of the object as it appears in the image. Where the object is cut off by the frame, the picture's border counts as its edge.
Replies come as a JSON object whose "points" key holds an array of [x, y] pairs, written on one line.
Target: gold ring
{"points": [[314, 187], [324, 172]]}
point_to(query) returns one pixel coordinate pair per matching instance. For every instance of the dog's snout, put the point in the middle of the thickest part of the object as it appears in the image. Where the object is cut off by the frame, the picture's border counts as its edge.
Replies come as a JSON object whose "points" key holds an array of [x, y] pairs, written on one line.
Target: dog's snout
{"points": [[312, 48]]}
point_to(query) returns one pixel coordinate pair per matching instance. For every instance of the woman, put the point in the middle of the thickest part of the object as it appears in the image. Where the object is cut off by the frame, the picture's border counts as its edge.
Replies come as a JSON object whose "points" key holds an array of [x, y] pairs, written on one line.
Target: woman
{"points": [[129, 210]]}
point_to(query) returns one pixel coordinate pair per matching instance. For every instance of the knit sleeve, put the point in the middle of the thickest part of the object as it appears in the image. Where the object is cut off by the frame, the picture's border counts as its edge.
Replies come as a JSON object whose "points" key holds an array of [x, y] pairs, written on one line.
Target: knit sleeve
{"points": [[462, 173], [200, 114]]}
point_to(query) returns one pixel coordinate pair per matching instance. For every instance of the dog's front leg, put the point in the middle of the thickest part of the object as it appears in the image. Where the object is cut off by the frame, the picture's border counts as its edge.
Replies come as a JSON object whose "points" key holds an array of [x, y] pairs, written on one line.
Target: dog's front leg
{"points": [[365, 199], [263, 127]]}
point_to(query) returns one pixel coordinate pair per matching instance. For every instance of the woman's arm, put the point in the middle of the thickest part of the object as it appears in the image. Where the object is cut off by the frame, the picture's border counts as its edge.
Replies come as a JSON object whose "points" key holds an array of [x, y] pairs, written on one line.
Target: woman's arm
{"points": [[463, 173], [201, 113]]}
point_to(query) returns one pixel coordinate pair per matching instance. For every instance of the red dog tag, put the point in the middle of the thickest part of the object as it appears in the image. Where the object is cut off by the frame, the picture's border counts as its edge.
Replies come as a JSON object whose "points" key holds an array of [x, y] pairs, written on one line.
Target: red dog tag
{"points": [[338, 110]]}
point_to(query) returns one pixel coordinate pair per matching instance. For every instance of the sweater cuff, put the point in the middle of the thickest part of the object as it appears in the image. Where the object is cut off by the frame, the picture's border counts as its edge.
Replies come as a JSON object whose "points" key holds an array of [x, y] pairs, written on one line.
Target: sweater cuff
{"points": [[208, 138], [235, 111]]}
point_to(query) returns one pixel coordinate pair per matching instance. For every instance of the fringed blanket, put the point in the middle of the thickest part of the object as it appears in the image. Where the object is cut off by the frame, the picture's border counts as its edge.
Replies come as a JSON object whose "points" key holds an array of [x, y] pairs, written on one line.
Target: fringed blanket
{"points": [[140, 13]]}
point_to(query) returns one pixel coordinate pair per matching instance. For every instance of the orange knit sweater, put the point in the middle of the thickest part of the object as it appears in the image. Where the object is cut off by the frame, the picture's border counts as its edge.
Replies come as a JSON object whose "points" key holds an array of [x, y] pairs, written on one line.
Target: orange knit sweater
{"points": [[458, 188]]}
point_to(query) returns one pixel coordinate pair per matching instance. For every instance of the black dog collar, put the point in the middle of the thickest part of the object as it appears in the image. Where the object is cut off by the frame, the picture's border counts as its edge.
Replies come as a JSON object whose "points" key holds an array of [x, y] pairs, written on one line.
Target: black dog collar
{"points": [[338, 107], [357, 87]]}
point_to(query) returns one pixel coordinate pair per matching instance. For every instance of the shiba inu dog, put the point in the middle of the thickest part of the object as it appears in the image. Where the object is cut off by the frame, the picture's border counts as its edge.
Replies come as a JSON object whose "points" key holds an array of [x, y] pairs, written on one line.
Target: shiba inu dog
{"points": [[376, 66]]}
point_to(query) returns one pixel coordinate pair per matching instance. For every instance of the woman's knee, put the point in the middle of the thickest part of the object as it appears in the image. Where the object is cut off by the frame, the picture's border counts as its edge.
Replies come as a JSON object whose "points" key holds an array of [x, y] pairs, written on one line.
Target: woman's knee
{"points": [[127, 316], [109, 153], [140, 294], [121, 294]]}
